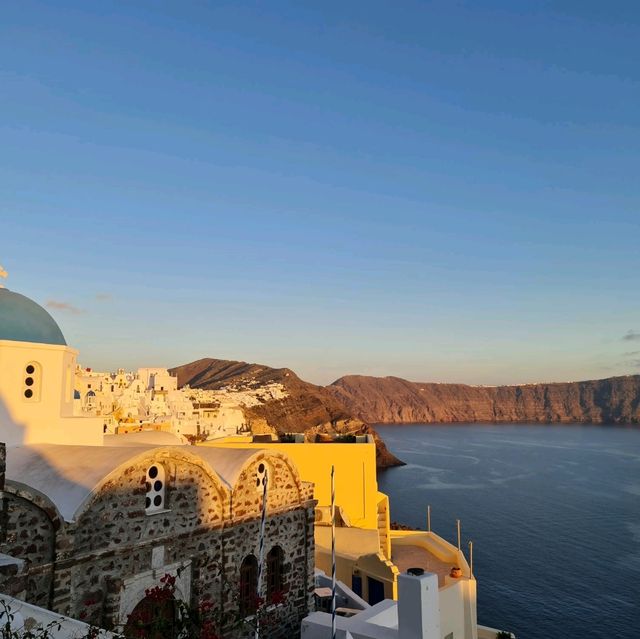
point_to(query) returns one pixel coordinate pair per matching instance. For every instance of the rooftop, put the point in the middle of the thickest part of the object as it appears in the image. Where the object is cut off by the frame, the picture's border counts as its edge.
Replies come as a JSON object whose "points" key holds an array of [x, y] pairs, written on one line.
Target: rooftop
{"points": [[405, 557], [68, 475], [22, 320]]}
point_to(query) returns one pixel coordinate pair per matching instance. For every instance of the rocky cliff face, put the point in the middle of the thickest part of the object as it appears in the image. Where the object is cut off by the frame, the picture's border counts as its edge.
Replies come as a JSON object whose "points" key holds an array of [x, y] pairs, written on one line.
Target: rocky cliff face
{"points": [[351, 403], [304, 408], [614, 400]]}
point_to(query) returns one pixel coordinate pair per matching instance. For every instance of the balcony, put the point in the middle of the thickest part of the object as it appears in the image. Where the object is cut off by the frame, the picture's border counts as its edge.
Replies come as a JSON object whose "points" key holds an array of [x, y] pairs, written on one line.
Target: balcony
{"points": [[420, 549]]}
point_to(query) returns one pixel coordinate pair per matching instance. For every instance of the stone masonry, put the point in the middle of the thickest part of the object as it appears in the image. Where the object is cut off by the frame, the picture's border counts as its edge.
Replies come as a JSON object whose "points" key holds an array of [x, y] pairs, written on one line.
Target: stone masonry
{"points": [[97, 567]]}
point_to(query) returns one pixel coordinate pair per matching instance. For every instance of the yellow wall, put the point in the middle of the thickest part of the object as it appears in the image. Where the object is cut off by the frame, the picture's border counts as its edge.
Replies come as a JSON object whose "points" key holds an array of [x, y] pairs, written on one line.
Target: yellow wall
{"points": [[355, 474], [379, 568], [374, 566]]}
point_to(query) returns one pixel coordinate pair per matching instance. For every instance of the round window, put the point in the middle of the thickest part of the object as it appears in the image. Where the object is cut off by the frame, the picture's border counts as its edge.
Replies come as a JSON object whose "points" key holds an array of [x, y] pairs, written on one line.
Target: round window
{"points": [[30, 369], [153, 472], [28, 393]]}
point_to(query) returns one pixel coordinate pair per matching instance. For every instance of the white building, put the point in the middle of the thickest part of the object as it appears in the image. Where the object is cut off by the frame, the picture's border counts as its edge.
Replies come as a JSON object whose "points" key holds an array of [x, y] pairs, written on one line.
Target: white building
{"points": [[37, 379], [150, 399], [422, 611]]}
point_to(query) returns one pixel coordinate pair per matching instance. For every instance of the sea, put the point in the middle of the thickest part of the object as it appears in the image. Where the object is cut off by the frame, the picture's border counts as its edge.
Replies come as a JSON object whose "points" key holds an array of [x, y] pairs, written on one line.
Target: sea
{"points": [[553, 512]]}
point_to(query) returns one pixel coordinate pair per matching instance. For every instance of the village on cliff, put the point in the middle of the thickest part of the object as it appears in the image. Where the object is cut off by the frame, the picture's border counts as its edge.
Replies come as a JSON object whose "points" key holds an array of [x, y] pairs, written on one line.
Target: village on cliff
{"points": [[130, 507]]}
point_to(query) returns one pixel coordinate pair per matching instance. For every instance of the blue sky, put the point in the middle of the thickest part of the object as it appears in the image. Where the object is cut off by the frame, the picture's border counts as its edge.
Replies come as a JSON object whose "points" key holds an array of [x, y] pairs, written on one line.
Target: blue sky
{"points": [[442, 191]]}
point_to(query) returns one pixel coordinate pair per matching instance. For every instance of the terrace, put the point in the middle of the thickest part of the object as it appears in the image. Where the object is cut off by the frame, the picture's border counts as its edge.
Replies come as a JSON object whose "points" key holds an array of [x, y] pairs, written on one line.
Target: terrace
{"points": [[427, 550]]}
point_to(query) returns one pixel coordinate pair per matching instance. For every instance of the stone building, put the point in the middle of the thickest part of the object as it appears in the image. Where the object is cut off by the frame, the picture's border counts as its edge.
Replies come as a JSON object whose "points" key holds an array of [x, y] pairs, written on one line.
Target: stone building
{"points": [[89, 523], [87, 530]]}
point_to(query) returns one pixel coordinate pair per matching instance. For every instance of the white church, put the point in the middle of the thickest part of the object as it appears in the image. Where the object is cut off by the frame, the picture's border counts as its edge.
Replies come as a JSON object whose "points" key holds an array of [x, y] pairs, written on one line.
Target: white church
{"points": [[37, 372]]}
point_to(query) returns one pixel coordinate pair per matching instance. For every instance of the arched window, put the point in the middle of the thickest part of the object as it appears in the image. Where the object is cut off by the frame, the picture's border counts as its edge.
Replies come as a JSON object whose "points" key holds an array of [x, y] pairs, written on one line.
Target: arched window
{"points": [[248, 585], [156, 489], [32, 379], [90, 399], [275, 577]]}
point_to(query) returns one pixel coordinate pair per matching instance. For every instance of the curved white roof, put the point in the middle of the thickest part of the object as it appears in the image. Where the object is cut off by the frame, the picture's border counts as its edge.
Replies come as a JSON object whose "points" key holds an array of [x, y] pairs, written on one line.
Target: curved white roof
{"points": [[67, 475]]}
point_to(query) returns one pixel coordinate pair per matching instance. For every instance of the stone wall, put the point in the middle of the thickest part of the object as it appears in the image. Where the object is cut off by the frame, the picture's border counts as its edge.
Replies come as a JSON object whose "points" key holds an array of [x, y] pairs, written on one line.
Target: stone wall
{"points": [[284, 486], [113, 551], [115, 516], [30, 535]]}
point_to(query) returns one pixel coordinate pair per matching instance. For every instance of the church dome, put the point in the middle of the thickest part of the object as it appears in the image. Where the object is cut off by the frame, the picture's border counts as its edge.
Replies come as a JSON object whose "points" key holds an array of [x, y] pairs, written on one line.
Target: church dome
{"points": [[22, 320]]}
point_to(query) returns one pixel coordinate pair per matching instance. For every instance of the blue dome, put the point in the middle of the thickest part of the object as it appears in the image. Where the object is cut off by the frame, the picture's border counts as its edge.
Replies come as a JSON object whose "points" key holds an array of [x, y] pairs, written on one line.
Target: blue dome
{"points": [[22, 320]]}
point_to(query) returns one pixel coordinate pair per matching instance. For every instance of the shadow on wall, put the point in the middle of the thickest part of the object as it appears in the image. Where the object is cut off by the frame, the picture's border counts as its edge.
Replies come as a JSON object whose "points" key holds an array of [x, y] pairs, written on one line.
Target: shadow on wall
{"points": [[188, 532], [11, 433]]}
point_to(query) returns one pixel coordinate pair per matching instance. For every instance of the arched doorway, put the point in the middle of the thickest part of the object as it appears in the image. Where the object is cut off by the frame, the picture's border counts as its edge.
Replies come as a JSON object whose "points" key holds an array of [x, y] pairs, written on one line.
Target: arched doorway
{"points": [[153, 618]]}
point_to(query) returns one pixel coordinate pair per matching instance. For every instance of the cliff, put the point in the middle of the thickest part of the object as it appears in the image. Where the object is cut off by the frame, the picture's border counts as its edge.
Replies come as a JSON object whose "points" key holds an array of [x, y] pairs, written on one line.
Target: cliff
{"points": [[300, 407], [282, 402], [615, 400]]}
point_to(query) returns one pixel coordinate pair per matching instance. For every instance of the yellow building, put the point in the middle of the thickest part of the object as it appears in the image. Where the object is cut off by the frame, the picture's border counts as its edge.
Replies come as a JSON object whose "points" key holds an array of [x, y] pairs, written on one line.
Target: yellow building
{"points": [[369, 555]]}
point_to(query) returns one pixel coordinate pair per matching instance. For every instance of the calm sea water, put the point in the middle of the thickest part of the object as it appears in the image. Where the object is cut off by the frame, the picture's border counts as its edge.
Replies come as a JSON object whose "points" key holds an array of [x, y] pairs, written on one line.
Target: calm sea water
{"points": [[553, 512]]}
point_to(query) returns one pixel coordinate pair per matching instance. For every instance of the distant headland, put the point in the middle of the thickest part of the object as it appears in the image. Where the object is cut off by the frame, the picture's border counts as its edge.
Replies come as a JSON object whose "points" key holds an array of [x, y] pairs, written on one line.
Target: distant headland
{"points": [[276, 400], [615, 400]]}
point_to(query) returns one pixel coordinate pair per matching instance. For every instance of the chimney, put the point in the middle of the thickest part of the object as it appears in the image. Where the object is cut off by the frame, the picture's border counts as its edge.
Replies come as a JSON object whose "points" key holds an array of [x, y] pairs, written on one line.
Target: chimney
{"points": [[418, 605]]}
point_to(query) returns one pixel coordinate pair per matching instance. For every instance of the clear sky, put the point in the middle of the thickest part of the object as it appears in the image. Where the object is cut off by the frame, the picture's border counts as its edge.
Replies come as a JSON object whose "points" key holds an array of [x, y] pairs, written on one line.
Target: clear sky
{"points": [[443, 191]]}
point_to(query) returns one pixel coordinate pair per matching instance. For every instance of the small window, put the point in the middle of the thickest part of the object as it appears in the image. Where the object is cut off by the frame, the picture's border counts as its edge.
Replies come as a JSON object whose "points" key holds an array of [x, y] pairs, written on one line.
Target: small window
{"points": [[31, 382], [156, 490], [261, 476], [248, 585]]}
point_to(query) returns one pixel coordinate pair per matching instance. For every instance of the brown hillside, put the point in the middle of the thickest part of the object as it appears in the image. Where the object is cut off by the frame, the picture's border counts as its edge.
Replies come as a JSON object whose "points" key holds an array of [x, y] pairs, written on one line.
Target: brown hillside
{"points": [[307, 408]]}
